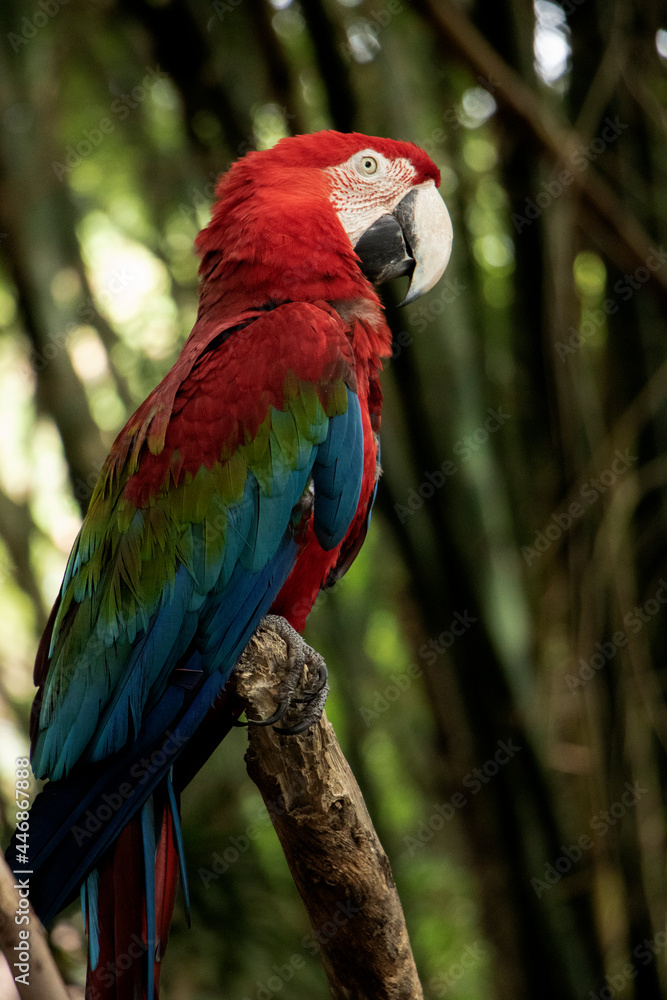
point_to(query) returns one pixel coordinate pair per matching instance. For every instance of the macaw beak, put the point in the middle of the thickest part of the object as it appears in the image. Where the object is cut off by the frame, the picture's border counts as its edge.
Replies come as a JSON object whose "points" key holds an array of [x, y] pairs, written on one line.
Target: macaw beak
{"points": [[415, 240]]}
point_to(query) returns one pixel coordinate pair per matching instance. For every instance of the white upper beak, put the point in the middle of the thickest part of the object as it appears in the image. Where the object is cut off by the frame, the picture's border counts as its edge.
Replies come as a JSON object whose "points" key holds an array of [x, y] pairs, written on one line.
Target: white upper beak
{"points": [[428, 230]]}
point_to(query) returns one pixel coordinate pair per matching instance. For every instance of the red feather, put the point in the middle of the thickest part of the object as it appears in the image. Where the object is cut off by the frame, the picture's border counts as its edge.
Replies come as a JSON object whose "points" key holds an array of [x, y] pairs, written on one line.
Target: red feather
{"points": [[267, 260], [120, 973]]}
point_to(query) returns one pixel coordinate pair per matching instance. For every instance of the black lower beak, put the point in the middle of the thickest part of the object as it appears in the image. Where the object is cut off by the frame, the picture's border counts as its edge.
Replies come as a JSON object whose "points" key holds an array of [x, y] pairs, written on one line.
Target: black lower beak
{"points": [[414, 240], [383, 251]]}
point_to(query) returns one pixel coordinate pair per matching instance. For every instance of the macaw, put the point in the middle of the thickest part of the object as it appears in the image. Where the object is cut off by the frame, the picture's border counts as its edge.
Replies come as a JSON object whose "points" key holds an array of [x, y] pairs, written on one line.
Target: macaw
{"points": [[241, 486]]}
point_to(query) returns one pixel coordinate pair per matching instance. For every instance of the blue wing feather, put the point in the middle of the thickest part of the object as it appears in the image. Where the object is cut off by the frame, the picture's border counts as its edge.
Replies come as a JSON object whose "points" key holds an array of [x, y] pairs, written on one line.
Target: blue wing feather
{"points": [[337, 475], [234, 559]]}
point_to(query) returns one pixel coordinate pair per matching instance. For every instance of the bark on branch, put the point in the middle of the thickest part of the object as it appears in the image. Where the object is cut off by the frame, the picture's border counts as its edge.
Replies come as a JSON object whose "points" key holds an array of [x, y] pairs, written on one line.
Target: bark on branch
{"points": [[333, 851]]}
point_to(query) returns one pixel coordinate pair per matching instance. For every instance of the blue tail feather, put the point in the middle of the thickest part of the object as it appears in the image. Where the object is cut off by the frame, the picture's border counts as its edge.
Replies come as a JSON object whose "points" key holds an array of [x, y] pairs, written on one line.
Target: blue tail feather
{"points": [[178, 837], [89, 909]]}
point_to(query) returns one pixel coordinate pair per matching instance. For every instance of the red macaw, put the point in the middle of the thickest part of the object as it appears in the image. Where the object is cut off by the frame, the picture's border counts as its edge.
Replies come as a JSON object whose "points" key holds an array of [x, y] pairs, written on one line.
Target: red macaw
{"points": [[241, 486]]}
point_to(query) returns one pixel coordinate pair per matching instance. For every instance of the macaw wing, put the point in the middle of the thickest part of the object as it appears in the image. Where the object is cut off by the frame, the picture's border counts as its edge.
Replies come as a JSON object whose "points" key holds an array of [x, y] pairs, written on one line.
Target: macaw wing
{"points": [[191, 531]]}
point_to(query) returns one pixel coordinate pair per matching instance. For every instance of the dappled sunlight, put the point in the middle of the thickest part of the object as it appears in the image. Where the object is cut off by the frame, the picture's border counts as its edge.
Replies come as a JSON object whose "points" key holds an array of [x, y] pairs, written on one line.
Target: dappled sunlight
{"points": [[131, 287], [90, 360], [552, 46], [495, 652], [54, 509], [661, 42], [17, 415]]}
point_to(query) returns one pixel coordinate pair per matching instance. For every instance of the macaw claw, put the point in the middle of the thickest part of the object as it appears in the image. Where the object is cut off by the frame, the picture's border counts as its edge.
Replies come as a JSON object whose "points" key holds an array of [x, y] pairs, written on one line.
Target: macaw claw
{"points": [[301, 658]]}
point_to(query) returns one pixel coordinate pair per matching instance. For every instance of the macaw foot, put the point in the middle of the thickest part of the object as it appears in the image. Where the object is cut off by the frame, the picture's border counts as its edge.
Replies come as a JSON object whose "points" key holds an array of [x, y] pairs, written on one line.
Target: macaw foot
{"points": [[301, 658]]}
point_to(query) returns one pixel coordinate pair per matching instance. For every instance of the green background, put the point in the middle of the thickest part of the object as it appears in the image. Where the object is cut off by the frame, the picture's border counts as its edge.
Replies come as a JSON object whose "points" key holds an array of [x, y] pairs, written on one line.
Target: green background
{"points": [[497, 650]]}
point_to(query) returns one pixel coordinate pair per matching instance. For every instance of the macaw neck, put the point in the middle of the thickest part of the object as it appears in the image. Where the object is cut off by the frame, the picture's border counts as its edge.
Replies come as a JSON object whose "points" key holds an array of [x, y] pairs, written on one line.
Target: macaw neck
{"points": [[223, 298], [231, 288], [282, 242], [287, 245], [369, 333], [231, 285]]}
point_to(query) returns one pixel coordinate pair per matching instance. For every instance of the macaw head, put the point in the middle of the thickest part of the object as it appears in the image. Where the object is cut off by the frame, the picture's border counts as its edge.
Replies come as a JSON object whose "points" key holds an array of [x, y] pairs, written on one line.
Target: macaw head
{"points": [[329, 212]]}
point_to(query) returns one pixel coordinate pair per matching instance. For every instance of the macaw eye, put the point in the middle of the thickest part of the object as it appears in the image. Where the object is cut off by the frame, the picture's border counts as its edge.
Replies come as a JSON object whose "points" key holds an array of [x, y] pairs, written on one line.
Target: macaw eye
{"points": [[368, 165]]}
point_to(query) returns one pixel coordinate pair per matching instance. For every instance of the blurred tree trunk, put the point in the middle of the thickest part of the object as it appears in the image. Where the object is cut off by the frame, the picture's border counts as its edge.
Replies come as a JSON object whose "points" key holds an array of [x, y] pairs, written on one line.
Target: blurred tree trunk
{"points": [[580, 383]]}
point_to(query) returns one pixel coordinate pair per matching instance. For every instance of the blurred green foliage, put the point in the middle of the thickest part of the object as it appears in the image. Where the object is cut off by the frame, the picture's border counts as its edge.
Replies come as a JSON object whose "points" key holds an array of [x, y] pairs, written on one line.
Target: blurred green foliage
{"points": [[514, 385]]}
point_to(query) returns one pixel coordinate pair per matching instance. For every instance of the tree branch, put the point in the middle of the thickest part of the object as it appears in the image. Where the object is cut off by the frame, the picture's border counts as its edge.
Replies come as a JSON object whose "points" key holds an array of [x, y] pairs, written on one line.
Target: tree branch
{"points": [[626, 241], [333, 851]]}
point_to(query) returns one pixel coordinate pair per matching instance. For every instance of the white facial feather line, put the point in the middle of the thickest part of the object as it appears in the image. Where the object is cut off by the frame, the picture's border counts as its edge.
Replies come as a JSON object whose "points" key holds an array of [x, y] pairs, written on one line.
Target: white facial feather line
{"points": [[361, 200]]}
